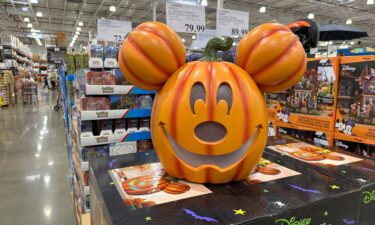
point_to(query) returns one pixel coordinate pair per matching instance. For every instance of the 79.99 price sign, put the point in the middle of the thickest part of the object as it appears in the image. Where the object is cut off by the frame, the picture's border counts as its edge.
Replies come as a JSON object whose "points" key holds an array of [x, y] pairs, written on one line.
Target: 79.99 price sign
{"points": [[113, 30], [186, 18], [232, 23]]}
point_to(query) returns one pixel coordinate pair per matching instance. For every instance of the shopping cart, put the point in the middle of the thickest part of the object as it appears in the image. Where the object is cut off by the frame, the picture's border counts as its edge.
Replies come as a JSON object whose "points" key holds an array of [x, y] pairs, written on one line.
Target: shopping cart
{"points": [[58, 105], [30, 93]]}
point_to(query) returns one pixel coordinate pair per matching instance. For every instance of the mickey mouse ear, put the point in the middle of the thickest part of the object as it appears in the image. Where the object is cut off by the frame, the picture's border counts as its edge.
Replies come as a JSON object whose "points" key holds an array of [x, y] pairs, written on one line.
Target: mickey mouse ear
{"points": [[150, 55], [273, 56]]}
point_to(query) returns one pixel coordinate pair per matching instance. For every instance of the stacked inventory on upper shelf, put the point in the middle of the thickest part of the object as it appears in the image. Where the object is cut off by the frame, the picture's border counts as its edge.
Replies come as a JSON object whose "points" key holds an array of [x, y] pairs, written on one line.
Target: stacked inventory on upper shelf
{"points": [[14, 52], [7, 88]]}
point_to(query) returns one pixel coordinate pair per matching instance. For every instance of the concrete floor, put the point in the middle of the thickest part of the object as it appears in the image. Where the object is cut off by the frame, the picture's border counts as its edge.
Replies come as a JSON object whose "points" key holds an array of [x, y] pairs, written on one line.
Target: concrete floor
{"points": [[34, 176]]}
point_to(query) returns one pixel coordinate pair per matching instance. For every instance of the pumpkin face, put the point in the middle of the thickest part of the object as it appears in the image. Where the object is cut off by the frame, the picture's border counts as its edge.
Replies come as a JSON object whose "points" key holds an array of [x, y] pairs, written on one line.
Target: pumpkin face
{"points": [[209, 123], [273, 56], [150, 55]]}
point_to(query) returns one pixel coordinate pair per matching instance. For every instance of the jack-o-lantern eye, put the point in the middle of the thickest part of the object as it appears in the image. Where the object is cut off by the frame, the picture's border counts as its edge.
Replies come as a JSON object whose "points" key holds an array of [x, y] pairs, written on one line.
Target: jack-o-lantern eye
{"points": [[197, 92], [224, 92]]}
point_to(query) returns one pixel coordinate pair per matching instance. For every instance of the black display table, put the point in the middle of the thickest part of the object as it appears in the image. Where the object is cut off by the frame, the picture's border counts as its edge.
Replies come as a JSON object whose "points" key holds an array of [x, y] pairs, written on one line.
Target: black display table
{"points": [[360, 174], [309, 198]]}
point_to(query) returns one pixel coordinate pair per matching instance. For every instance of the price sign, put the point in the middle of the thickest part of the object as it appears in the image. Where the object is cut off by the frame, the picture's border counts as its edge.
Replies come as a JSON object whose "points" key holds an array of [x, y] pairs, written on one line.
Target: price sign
{"points": [[113, 30], [186, 18], [231, 22]]}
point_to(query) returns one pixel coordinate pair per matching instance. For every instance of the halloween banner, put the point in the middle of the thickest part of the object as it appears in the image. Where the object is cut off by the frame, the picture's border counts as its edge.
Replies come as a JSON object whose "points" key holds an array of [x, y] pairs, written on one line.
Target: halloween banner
{"points": [[311, 102], [355, 112]]}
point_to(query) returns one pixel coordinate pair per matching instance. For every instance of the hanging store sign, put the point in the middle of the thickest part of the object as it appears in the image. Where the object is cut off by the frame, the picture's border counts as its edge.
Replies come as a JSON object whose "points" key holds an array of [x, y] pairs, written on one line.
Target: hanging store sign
{"points": [[232, 23], [113, 30], [186, 18]]}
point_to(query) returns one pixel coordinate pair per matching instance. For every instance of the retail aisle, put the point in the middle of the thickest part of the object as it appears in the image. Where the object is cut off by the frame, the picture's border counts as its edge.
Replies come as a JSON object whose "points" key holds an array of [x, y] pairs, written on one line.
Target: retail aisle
{"points": [[34, 180]]}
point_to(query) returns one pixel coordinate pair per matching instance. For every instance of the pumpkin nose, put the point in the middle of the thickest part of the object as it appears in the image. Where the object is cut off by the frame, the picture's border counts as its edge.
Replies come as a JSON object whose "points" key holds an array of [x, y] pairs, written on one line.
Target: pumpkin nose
{"points": [[210, 131]]}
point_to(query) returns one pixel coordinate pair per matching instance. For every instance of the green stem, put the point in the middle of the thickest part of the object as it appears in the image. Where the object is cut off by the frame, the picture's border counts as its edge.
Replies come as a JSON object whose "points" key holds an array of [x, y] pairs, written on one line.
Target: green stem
{"points": [[216, 44]]}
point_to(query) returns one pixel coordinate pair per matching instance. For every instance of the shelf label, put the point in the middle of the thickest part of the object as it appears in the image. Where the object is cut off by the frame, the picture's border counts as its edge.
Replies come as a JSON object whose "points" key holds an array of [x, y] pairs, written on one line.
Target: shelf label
{"points": [[186, 18], [101, 139], [232, 22], [113, 30], [102, 114], [107, 90]]}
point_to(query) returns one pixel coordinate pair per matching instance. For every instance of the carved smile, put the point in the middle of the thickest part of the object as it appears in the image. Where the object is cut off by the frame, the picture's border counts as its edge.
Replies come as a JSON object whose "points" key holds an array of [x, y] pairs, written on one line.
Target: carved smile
{"points": [[222, 161]]}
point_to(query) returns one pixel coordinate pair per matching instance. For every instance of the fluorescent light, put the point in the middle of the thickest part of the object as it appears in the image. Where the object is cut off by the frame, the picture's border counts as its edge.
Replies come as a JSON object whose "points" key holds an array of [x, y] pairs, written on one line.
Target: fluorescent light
{"points": [[26, 19], [204, 2], [234, 43], [75, 36], [349, 21], [352, 42], [34, 1], [183, 39], [29, 25], [24, 9], [193, 37], [262, 9], [39, 14], [79, 29], [370, 2], [33, 30], [80, 24], [112, 8], [311, 16], [77, 32], [330, 42]]}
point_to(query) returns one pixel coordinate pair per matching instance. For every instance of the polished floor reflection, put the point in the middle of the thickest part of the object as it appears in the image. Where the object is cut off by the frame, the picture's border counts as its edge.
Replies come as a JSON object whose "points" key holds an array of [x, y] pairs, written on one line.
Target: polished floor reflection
{"points": [[34, 176]]}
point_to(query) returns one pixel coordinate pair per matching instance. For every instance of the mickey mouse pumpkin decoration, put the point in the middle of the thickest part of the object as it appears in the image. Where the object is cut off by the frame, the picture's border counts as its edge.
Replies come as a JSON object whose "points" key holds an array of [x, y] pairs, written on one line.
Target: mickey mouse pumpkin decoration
{"points": [[209, 120]]}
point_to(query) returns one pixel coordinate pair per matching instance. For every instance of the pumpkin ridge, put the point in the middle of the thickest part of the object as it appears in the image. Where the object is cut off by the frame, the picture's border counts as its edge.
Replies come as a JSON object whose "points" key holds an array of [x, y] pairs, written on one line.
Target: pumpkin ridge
{"points": [[174, 107], [208, 175], [300, 66], [251, 50], [243, 98], [148, 58], [134, 76], [277, 58], [238, 171], [179, 64], [180, 170]]}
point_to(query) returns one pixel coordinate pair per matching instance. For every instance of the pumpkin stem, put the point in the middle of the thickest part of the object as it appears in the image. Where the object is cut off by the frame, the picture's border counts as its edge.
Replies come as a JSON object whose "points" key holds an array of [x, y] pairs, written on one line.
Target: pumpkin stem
{"points": [[215, 44]]}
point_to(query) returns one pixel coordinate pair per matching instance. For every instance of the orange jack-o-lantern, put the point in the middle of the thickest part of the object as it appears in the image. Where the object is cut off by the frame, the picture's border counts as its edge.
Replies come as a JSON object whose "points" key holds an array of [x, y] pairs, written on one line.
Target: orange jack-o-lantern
{"points": [[209, 121]]}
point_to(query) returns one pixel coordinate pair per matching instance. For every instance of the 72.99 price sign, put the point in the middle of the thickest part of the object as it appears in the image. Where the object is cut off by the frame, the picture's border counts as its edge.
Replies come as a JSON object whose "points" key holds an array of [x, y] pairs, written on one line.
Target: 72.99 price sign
{"points": [[113, 30], [232, 23], [186, 18]]}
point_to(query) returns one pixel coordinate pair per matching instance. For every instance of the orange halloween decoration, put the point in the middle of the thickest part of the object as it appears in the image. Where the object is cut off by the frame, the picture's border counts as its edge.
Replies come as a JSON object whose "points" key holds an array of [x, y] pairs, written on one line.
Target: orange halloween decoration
{"points": [[150, 54], [209, 121], [273, 56]]}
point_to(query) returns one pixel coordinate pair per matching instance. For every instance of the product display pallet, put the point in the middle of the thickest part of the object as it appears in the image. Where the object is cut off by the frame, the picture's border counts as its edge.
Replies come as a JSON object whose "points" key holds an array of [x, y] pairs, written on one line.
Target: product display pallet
{"points": [[104, 131]]}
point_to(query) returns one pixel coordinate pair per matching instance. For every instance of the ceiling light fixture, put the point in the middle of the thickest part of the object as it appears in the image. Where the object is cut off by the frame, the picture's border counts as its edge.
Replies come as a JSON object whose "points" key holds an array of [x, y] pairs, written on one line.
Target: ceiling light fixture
{"points": [[193, 37], [24, 9], [39, 14], [204, 2], [33, 30], [349, 21], [79, 29], [34, 1], [262, 9], [311, 16], [80, 24], [75, 36], [112, 8], [183, 40], [352, 42], [29, 25], [77, 32], [26, 19], [370, 2]]}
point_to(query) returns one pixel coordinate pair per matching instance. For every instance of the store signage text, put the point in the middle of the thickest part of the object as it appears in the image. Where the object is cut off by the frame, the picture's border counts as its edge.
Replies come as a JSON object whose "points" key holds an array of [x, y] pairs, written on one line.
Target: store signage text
{"points": [[368, 196], [186, 18], [293, 221], [231, 22], [113, 30]]}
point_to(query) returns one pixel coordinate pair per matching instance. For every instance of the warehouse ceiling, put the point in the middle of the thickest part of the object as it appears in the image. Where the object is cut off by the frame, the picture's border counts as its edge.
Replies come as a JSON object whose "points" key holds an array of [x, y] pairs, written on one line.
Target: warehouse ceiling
{"points": [[64, 15]]}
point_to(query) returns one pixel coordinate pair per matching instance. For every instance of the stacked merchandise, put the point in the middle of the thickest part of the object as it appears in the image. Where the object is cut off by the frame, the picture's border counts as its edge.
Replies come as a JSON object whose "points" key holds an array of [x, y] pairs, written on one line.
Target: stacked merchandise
{"points": [[40, 66], [110, 116], [332, 105], [7, 87], [15, 53]]}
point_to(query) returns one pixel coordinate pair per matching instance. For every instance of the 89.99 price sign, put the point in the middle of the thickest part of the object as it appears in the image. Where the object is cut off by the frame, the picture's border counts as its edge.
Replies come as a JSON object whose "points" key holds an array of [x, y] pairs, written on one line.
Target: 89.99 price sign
{"points": [[186, 18], [232, 23]]}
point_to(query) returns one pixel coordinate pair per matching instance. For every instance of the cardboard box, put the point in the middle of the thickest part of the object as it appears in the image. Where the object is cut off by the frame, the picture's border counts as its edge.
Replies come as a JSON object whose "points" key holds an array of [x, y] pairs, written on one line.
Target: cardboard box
{"points": [[311, 102], [355, 112]]}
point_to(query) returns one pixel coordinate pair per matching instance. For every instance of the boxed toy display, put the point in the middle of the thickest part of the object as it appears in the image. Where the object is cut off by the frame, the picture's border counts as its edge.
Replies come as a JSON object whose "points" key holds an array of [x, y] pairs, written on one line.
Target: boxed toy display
{"points": [[355, 113], [311, 102]]}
